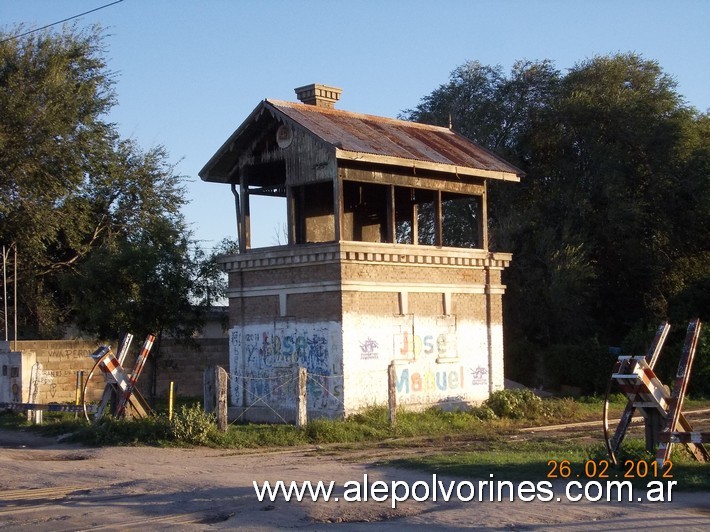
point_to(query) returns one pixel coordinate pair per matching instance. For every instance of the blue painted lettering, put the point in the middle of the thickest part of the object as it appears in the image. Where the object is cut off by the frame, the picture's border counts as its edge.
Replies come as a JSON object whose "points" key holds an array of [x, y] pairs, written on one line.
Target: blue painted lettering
{"points": [[428, 344], [430, 381], [441, 380], [403, 382]]}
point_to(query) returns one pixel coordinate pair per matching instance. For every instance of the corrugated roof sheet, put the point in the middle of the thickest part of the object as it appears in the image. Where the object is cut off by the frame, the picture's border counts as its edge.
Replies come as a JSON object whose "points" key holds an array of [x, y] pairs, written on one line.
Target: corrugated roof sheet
{"points": [[389, 137]]}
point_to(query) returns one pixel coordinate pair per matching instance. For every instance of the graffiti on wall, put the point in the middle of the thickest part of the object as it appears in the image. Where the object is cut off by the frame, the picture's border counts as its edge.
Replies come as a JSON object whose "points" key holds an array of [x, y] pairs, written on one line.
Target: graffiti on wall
{"points": [[369, 349], [429, 366], [479, 376], [430, 380], [264, 360], [410, 345], [417, 384]]}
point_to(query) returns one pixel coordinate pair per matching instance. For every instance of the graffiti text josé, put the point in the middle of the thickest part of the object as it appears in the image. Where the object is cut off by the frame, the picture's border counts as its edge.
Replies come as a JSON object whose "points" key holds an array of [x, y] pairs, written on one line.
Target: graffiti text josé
{"points": [[413, 344]]}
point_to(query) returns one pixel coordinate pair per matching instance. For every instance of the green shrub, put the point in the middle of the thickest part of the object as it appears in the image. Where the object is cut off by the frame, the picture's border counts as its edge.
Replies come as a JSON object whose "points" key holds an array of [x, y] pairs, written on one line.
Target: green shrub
{"points": [[483, 412], [516, 404], [192, 425]]}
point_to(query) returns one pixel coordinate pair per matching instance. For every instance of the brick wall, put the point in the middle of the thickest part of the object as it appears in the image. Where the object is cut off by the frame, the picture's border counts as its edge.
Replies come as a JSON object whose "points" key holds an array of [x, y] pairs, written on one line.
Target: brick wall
{"points": [[315, 306], [471, 306], [382, 303], [389, 272], [253, 309], [292, 274], [185, 365], [61, 359], [426, 304]]}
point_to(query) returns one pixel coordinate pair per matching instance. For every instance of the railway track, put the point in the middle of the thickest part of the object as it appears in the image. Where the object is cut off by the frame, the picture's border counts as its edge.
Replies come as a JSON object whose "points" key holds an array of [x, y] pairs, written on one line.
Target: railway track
{"points": [[583, 424]]}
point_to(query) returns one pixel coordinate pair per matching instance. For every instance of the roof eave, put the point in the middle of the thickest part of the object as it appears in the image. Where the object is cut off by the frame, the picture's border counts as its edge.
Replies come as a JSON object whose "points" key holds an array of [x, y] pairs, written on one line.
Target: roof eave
{"points": [[389, 160], [227, 146]]}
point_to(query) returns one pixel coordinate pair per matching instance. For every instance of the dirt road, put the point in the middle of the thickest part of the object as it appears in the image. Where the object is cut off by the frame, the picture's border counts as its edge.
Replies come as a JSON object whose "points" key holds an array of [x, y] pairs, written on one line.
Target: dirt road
{"points": [[50, 486]]}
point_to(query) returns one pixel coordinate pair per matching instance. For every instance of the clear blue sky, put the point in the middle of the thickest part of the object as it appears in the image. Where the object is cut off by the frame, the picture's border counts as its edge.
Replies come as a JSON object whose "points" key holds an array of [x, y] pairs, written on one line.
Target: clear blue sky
{"points": [[189, 72]]}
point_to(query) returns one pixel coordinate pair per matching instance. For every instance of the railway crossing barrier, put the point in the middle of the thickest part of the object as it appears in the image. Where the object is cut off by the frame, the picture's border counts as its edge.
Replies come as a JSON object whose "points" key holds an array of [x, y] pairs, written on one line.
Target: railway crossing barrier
{"points": [[120, 396], [120, 390], [661, 409]]}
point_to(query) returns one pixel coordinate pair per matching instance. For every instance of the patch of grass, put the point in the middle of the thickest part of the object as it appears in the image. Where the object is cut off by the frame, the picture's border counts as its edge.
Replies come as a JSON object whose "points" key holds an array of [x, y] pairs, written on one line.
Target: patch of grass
{"points": [[254, 436], [58, 425], [370, 425], [149, 431]]}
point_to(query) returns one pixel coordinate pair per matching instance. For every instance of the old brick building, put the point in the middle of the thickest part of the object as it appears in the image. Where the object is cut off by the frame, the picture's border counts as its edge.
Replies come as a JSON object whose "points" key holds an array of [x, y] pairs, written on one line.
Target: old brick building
{"points": [[372, 272]]}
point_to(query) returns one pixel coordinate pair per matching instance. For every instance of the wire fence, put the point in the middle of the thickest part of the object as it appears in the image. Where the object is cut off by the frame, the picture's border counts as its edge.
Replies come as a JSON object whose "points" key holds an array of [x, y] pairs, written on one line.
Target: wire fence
{"points": [[279, 394]]}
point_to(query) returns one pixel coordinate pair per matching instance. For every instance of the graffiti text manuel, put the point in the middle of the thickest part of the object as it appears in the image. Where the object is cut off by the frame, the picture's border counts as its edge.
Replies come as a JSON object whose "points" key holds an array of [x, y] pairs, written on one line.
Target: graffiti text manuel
{"points": [[430, 380]]}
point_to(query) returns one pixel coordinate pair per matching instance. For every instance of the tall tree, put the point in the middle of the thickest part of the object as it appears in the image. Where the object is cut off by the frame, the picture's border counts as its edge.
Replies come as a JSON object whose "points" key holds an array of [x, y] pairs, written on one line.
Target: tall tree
{"points": [[609, 227], [53, 91], [623, 123], [101, 241]]}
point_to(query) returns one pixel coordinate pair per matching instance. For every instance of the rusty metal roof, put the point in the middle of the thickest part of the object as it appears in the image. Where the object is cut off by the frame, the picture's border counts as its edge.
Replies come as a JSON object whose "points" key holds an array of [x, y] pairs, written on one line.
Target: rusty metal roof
{"points": [[378, 136]]}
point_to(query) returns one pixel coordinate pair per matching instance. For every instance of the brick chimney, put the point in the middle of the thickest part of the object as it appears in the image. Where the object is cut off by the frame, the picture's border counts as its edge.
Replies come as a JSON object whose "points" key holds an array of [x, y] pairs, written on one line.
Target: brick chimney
{"points": [[318, 95]]}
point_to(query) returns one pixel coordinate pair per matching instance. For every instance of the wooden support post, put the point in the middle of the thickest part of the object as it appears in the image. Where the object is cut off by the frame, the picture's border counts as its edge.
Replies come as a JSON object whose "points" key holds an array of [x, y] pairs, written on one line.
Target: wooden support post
{"points": [[171, 400], [244, 215], [483, 227], [415, 220], [291, 215], [438, 221], [113, 398], [391, 224], [215, 395], [78, 396], [221, 379], [392, 394], [78, 386], [300, 215], [301, 399], [338, 209], [652, 426], [681, 384]]}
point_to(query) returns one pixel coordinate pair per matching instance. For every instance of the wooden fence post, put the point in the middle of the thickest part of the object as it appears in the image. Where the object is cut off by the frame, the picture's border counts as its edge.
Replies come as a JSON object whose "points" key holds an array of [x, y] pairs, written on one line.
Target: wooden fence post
{"points": [[392, 394], [301, 400], [215, 391], [171, 396], [221, 378]]}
